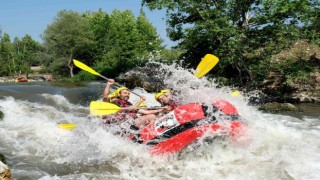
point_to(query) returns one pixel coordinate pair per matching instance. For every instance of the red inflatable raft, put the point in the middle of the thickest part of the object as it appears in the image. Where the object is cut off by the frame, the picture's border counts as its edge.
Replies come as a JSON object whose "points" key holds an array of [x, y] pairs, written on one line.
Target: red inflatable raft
{"points": [[187, 123]]}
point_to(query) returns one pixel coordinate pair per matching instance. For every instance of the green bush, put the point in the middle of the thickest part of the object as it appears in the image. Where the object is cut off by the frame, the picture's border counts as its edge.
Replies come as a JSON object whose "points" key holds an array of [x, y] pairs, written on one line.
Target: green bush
{"points": [[84, 76]]}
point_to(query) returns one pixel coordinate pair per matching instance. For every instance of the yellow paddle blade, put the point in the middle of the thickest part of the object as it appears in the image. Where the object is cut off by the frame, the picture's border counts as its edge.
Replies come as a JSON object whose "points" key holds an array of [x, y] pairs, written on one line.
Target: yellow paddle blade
{"points": [[85, 67], [235, 93], [206, 64], [67, 126], [99, 108]]}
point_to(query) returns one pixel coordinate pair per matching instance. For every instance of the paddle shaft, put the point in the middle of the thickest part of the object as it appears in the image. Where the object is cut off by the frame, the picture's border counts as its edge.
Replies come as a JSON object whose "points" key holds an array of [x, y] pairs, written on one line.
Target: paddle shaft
{"points": [[90, 70], [118, 85], [128, 108]]}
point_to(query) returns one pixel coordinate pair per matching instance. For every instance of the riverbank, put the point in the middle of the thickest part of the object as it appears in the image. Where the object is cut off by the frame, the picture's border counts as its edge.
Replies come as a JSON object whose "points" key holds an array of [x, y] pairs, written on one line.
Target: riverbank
{"points": [[273, 90], [31, 78], [307, 91]]}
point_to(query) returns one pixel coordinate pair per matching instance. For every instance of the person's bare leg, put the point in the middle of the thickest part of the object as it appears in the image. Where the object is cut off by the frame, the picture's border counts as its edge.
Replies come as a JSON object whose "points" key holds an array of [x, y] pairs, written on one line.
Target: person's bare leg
{"points": [[144, 120]]}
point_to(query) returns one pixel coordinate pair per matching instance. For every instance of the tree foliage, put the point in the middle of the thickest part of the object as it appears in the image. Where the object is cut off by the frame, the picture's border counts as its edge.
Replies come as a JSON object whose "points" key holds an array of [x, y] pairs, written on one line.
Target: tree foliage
{"points": [[7, 58], [243, 33], [18, 56], [111, 43], [27, 53], [123, 41], [68, 37]]}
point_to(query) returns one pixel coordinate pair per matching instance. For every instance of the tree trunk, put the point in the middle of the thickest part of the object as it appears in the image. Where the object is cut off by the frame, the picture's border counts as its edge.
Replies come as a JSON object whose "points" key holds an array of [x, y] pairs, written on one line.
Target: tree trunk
{"points": [[240, 72], [28, 71], [70, 63]]}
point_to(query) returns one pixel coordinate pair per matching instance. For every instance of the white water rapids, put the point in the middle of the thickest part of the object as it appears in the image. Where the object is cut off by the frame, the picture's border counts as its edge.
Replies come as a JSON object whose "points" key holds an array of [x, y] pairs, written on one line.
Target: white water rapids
{"points": [[274, 147]]}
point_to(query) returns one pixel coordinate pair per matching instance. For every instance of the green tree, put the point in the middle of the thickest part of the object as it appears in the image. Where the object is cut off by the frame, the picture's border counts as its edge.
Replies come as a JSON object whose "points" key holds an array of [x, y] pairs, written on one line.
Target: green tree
{"points": [[149, 39], [312, 23], [100, 25], [69, 37], [170, 56], [243, 33], [122, 39], [27, 51], [127, 42], [7, 56]]}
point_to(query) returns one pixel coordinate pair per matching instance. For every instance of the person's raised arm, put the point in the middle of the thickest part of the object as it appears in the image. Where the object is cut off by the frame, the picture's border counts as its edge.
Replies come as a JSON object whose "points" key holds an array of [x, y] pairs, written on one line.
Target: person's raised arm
{"points": [[136, 105], [107, 90]]}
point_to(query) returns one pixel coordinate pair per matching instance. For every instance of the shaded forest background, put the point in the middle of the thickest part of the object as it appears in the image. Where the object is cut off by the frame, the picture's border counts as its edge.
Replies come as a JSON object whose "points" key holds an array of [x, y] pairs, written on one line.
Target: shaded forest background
{"points": [[272, 44]]}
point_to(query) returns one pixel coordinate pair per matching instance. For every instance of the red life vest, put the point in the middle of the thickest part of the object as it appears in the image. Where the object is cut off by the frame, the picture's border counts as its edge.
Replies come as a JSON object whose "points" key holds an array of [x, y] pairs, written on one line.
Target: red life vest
{"points": [[125, 103], [172, 104]]}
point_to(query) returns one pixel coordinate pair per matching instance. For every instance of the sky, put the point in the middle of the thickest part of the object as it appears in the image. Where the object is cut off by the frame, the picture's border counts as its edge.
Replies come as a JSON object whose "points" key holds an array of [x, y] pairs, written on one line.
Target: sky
{"points": [[21, 17]]}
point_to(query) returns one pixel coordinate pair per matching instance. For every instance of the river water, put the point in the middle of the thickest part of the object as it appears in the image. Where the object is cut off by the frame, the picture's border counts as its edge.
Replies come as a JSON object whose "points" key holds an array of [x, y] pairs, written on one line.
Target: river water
{"points": [[274, 146]]}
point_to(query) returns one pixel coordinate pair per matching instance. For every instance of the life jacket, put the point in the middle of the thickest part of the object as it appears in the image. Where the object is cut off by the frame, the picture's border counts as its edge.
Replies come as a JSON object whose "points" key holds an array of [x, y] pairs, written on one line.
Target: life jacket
{"points": [[172, 104], [125, 103]]}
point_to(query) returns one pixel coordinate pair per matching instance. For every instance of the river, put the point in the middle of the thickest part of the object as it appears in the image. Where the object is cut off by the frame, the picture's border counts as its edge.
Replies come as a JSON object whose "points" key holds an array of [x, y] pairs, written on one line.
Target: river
{"points": [[275, 146]]}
